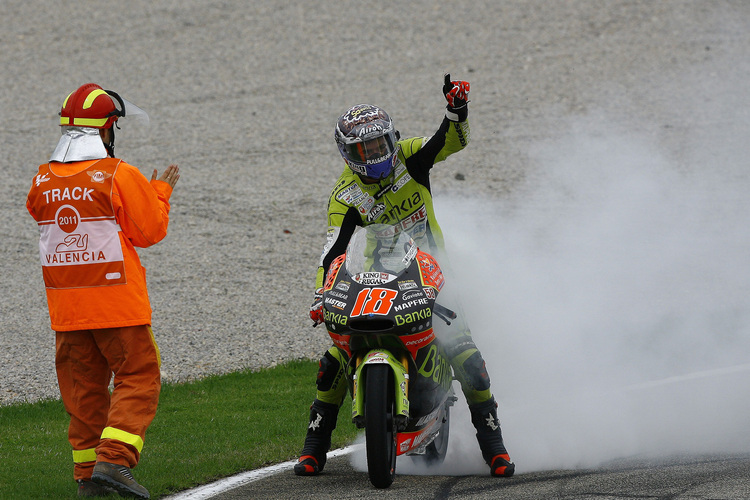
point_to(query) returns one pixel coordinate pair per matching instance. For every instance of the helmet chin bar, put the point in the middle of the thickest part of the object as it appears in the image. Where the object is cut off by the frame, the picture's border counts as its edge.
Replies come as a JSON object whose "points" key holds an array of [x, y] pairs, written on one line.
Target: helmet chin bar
{"points": [[373, 171], [370, 180]]}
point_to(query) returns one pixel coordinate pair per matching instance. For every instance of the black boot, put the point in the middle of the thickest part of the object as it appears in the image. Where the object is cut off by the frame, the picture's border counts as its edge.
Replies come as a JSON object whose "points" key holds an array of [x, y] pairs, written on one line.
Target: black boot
{"points": [[490, 438], [318, 440]]}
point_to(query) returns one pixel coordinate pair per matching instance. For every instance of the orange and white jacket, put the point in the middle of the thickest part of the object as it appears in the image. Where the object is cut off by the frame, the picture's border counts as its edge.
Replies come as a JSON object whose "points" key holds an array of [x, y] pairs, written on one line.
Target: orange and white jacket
{"points": [[91, 215]]}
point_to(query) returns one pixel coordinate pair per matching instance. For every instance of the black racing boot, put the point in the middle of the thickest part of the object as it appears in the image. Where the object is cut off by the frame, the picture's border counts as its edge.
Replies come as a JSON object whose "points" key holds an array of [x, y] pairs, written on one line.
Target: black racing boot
{"points": [[318, 440], [490, 438]]}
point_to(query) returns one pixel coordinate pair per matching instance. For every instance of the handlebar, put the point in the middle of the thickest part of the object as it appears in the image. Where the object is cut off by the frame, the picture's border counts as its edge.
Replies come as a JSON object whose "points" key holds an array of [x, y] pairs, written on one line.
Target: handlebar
{"points": [[444, 313]]}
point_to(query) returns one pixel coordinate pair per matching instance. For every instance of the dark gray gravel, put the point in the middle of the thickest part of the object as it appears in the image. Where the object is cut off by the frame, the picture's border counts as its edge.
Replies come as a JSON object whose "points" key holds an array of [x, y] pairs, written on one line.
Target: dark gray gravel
{"points": [[243, 95]]}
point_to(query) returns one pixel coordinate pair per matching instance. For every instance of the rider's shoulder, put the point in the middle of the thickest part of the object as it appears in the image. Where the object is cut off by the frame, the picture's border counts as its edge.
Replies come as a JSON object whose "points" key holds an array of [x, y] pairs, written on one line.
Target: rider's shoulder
{"points": [[411, 145], [348, 188], [346, 178]]}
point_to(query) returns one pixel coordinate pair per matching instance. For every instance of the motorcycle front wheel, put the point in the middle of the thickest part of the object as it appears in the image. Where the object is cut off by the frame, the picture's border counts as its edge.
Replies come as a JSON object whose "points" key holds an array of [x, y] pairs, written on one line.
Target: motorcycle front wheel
{"points": [[380, 426]]}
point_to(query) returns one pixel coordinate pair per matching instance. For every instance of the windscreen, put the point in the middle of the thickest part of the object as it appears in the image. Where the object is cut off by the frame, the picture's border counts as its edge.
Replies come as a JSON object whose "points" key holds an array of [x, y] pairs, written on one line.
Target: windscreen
{"points": [[379, 248]]}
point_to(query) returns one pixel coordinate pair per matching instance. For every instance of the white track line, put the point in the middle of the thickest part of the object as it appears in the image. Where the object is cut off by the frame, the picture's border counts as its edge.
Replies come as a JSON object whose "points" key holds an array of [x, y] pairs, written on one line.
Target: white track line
{"points": [[229, 483], [718, 372]]}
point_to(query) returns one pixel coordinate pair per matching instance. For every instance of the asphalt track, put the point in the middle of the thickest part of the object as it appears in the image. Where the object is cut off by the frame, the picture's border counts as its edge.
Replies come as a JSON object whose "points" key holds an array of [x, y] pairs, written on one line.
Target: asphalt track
{"points": [[244, 95], [673, 478]]}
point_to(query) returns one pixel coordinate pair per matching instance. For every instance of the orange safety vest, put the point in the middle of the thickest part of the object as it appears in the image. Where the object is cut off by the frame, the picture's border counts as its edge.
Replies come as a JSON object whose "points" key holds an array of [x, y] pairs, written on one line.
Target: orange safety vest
{"points": [[92, 273]]}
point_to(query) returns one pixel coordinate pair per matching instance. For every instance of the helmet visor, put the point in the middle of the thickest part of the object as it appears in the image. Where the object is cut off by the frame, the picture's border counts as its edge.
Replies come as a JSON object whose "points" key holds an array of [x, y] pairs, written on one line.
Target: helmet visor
{"points": [[372, 157], [374, 150]]}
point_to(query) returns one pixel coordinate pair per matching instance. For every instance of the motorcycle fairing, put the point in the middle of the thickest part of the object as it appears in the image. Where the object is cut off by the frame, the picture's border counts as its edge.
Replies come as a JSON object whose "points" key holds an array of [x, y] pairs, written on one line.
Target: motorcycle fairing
{"points": [[379, 309], [429, 270], [400, 376], [333, 270], [342, 342], [415, 342], [413, 442]]}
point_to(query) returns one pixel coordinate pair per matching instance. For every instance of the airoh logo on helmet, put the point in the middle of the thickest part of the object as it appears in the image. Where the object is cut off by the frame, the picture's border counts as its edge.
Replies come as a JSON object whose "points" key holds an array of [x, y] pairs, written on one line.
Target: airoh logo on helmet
{"points": [[372, 129]]}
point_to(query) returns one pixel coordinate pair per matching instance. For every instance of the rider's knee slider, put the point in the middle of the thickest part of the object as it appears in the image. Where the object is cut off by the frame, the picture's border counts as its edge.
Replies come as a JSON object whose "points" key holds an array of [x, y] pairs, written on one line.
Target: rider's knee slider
{"points": [[328, 368]]}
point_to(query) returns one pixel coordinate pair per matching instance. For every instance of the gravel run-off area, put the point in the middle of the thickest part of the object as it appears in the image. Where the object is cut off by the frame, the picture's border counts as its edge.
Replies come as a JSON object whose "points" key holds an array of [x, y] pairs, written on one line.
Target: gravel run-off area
{"points": [[629, 118]]}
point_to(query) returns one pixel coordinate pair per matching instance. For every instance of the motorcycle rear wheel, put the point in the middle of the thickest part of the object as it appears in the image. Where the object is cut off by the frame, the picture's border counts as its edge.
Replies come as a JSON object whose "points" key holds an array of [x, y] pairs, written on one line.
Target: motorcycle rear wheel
{"points": [[380, 426], [435, 452]]}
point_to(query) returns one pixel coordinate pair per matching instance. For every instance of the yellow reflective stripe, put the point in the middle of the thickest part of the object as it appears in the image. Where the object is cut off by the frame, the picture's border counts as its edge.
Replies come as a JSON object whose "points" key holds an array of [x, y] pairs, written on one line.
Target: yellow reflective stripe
{"points": [[65, 102], [89, 122], [81, 456], [90, 98], [158, 352], [64, 120], [126, 437]]}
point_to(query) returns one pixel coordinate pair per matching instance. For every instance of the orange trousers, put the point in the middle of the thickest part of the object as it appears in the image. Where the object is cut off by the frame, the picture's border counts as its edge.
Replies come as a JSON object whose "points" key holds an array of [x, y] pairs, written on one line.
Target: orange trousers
{"points": [[108, 427]]}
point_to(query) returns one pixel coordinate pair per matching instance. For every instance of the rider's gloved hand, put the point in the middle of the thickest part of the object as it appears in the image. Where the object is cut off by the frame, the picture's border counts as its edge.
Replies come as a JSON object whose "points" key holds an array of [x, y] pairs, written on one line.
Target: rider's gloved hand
{"points": [[316, 309], [457, 94]]}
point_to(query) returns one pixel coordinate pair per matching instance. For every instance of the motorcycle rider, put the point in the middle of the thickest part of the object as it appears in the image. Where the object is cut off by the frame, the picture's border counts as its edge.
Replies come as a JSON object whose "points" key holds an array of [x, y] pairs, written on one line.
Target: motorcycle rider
{"points": [[387, 180], [94, 209]]}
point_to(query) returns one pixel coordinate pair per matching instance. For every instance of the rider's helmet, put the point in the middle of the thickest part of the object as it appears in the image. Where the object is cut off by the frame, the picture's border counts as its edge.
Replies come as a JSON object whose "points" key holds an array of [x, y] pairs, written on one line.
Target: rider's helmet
{"points": [[367, 141]]}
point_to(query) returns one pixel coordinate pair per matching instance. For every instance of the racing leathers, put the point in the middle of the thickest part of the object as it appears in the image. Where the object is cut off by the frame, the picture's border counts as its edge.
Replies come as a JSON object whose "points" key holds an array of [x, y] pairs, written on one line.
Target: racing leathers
{"points": [[404, 199]]}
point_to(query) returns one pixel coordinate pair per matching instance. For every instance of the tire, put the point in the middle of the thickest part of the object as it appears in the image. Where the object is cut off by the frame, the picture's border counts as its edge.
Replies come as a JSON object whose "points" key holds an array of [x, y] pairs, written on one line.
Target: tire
{"points": [[437, 449], [380, 426]]}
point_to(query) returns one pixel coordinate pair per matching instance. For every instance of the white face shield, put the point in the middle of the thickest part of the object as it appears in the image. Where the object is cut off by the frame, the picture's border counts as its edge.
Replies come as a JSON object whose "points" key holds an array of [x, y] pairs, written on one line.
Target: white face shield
{"points": [[131, 111]]}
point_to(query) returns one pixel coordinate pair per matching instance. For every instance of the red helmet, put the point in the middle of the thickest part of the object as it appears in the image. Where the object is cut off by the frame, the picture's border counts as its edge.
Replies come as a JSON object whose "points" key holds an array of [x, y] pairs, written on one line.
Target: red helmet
{"points": [[91, 106]]}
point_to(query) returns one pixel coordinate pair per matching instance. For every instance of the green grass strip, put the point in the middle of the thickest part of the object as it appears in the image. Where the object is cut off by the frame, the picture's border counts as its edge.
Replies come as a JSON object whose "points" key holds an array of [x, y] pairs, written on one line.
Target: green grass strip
{"points": [[203, 431]]}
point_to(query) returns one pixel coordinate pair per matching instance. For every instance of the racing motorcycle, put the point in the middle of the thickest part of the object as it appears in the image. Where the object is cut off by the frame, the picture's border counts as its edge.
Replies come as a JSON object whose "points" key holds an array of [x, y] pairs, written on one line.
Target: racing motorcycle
{"points": [[379, 302]]}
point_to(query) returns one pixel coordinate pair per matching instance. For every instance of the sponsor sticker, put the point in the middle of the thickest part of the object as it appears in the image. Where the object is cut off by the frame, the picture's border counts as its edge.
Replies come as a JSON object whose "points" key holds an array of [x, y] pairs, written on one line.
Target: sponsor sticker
{"points": [[405, 445], [351, 195], [338, 304], [372, 278], [407, 285], [413, 294], [338, 295], [400, 183], [375, 212], [366, 204]]}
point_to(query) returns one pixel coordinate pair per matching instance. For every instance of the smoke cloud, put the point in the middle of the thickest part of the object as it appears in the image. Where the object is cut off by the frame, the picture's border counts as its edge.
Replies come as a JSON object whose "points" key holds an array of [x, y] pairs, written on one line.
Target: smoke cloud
{"points": [[610, 292], [610, 300]]}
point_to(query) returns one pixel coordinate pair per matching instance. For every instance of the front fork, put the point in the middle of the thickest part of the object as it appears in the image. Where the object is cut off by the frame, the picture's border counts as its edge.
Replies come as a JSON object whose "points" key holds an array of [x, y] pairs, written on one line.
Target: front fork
{"points": [[400, 368]]}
